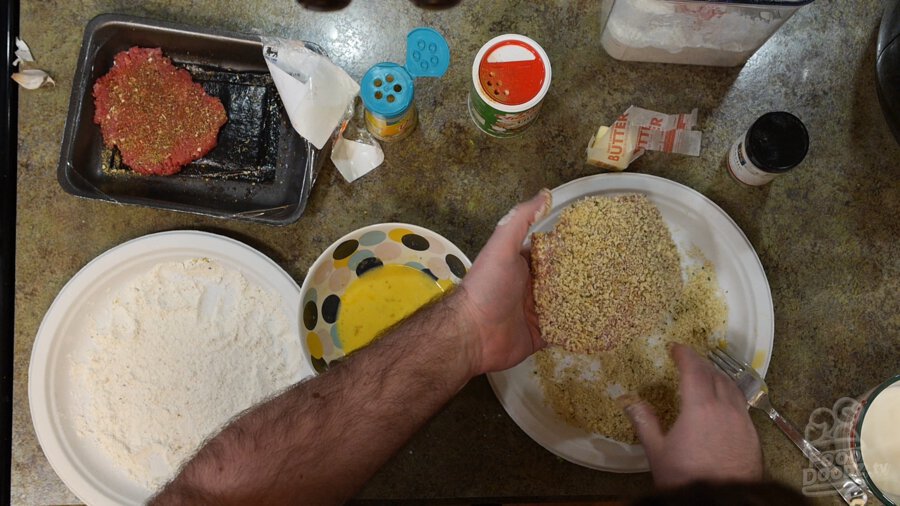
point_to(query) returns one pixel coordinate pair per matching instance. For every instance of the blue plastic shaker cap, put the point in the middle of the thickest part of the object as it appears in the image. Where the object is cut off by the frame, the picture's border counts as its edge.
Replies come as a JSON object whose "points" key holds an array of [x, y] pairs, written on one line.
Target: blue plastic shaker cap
{"points": [[387, 90], [427, 53]]}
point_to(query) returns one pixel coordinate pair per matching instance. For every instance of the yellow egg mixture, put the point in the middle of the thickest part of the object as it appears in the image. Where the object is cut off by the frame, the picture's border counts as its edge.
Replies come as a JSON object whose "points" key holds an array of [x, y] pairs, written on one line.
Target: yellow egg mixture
{"points": [[380, 298]]}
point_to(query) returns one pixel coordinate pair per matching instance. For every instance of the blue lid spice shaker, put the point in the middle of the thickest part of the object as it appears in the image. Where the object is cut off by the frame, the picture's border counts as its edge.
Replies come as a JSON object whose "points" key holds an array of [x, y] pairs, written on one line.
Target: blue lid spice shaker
{"points": [[388, 89]]}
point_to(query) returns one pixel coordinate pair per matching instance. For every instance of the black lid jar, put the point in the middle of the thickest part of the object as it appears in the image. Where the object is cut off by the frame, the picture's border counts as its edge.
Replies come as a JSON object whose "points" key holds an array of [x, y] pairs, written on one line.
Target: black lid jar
{"points": [[774, 144]]}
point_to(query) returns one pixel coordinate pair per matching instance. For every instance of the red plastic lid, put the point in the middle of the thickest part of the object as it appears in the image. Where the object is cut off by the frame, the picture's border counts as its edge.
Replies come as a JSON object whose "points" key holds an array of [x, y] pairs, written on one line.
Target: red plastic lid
{"points": [[511, 72]]}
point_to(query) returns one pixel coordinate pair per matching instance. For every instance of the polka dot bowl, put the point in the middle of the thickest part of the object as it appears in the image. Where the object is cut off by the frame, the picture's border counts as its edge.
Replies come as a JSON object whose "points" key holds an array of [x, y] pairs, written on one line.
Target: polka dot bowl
{"points": [[354, 254]]}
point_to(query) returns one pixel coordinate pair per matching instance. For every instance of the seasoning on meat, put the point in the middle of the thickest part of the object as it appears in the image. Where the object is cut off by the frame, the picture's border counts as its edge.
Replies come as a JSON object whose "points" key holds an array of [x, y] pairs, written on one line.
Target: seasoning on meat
{"points": [[605, 275], [157, 116]]}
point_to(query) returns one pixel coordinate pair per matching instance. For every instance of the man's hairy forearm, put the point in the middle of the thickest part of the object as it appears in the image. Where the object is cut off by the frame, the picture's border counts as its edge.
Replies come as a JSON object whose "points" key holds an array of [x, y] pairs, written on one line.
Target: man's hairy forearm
{"points": [[321, 440]]}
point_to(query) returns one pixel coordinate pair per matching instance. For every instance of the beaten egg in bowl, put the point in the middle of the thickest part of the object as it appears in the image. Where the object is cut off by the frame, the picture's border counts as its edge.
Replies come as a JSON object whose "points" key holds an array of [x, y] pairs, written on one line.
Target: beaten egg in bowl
{"points": [[371, 279]]}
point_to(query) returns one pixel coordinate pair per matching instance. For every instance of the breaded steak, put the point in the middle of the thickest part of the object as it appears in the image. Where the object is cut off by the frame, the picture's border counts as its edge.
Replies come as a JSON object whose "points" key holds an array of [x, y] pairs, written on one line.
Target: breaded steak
{"points": [[607, 273]]}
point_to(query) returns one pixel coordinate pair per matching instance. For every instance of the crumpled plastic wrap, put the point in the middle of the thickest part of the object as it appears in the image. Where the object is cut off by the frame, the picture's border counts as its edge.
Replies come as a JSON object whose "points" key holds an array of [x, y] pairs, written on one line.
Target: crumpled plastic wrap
{"points": [[319, 98], [315, 92]]}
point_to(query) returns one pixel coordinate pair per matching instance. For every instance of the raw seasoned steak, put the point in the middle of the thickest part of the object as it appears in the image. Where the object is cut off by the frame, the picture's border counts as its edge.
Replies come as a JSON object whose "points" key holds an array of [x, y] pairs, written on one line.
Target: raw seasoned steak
{"points": [[157, 116]]}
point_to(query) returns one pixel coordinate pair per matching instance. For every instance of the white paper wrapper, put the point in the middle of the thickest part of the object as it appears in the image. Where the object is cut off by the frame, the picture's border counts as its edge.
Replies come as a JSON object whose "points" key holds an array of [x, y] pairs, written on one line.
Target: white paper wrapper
{"points": [[638, 130], [355, 159], [315, 91], [355, 152]]}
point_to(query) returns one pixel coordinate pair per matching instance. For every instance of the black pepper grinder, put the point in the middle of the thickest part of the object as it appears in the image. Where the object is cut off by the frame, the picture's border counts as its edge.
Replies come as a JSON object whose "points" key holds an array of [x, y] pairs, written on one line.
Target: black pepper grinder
{"points": [[774, 144]]}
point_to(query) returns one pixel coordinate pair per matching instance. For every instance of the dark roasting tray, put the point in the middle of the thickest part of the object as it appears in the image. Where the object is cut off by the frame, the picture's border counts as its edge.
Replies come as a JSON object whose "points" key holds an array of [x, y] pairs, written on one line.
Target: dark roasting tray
{"points": [[260, 170]]}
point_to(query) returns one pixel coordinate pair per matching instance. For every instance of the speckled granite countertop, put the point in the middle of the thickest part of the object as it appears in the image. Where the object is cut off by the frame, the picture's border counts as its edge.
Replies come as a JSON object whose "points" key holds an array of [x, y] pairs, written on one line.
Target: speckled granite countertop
{"points": [[827, 233]]}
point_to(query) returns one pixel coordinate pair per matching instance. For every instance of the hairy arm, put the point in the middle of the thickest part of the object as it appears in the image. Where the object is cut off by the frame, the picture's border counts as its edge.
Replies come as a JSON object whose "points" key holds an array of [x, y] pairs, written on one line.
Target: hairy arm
{"points": [[319, 441]]}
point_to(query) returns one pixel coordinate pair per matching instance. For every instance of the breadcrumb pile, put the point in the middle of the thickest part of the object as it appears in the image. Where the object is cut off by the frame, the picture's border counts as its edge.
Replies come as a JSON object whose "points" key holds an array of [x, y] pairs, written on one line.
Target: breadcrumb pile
{"points": [[582, 387]]}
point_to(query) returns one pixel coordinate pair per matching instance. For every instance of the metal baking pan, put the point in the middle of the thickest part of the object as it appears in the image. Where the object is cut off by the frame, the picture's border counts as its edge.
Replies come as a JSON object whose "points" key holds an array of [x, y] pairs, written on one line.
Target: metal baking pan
{"points": [[261, 169]]}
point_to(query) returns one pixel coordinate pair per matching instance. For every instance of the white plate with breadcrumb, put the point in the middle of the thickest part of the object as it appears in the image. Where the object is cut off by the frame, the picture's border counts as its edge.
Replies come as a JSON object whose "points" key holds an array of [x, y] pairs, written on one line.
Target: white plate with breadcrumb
{"points": [[695, 223], [78, 342]]}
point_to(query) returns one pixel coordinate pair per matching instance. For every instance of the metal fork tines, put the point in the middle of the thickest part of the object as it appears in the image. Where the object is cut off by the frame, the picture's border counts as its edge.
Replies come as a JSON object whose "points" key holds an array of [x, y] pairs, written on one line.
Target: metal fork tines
{"points": [[757, 393]]}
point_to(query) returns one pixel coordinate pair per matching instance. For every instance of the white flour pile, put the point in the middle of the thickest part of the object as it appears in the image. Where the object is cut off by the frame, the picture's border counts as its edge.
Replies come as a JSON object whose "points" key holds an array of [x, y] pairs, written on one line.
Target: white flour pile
{"points": [[181, 350]]}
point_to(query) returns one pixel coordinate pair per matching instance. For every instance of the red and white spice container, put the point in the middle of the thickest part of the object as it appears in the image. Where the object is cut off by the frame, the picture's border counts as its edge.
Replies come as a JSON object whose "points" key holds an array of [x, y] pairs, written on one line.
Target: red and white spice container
{"points": [[510, 78]]}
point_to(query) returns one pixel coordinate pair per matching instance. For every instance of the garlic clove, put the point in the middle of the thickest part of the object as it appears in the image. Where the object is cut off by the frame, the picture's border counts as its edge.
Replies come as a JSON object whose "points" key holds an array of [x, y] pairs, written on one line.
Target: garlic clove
{"points": [[23, 52], [33, 79]]}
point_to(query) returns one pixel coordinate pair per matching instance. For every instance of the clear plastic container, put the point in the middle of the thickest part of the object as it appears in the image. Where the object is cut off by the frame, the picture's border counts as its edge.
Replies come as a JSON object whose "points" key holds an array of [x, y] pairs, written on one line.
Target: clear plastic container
{"points": [[693, 32]]}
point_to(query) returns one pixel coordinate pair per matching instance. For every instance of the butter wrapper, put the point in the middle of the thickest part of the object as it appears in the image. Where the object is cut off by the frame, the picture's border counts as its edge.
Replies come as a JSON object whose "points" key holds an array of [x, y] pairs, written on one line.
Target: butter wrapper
{"points": [[639, 130]]}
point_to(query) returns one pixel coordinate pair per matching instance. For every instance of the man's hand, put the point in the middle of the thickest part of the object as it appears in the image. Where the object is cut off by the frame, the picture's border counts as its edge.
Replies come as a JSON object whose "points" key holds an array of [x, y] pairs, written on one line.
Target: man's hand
{"points": [[496, 293], [713, 438]]}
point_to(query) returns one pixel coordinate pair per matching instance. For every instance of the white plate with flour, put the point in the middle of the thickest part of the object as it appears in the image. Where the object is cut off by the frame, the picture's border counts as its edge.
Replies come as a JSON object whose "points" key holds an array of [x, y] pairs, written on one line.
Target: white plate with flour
{"points": [[693, 220], [63, 340]]}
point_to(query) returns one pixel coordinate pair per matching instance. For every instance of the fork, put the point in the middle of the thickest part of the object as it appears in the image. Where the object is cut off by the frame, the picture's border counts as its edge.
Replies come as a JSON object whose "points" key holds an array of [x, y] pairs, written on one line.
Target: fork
{"points": [[757, 393]]}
